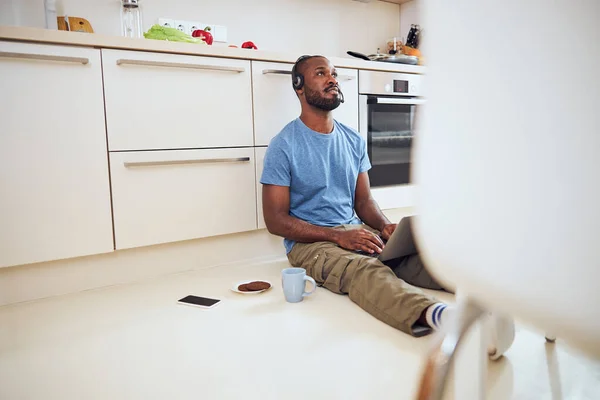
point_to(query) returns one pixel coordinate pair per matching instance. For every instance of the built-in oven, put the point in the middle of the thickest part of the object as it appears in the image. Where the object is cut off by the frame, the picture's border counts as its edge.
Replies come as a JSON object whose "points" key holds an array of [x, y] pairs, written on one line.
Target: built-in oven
{"points": [[387, 109]]}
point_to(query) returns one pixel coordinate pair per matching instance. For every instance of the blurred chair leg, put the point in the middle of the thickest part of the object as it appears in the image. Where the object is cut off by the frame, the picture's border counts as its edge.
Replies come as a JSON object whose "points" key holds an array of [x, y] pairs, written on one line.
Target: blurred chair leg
{"points": [[550, 338], [501, 334], [441, 357]]}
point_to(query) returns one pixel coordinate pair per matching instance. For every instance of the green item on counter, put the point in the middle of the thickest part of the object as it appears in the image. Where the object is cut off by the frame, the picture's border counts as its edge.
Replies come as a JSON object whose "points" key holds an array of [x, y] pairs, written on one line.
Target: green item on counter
{"points": [[158, 32]]}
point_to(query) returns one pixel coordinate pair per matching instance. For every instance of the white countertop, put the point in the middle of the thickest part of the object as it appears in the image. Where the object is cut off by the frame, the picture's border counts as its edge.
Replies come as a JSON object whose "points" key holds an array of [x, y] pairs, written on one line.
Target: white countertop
{"points": [[37, 35], [135, 342]]}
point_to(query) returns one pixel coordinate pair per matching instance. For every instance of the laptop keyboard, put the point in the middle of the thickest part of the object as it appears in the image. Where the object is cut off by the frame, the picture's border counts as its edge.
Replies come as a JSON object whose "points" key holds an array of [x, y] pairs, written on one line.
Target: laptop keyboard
{"points": [[364, 253]]}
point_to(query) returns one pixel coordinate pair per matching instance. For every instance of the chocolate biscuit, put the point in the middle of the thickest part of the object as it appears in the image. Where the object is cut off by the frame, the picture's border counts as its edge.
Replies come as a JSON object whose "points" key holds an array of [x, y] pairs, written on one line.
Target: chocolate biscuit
{"points": [[254, 286]]}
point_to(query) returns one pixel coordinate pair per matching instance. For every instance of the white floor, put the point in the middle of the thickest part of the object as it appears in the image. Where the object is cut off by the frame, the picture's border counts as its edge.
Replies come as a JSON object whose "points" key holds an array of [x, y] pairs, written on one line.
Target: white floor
{"points": [[134, 342]]}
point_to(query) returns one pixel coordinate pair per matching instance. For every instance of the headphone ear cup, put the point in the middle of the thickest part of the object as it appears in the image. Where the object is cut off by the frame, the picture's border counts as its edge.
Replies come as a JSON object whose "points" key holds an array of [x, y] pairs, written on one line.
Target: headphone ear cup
{"points": [[298, 82]]}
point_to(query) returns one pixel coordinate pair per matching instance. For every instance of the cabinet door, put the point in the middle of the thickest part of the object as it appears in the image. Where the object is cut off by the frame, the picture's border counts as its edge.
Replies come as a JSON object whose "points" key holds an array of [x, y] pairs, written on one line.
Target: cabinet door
{"points": [[260, 158], [347, 112], [55, 200], [276, 103], [173, 195], [166, 101]]}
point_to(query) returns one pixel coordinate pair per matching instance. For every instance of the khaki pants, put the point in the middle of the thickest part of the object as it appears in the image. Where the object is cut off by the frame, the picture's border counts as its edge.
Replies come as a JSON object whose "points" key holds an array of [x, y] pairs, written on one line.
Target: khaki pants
{"points": [[383, 291]]}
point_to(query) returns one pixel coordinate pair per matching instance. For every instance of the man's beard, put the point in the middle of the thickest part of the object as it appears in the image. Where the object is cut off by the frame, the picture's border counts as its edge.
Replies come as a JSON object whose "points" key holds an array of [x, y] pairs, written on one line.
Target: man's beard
{"points": [[315, 99]]}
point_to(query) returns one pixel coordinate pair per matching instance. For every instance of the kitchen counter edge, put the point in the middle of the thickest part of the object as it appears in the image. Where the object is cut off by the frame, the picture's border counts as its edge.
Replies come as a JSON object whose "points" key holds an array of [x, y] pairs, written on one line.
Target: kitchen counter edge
{"points": [[46, 36]]}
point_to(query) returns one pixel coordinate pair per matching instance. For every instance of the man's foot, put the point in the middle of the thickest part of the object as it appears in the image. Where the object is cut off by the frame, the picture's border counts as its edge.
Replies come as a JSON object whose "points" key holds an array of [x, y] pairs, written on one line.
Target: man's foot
{"points": [[499, 331], [437, 313]]}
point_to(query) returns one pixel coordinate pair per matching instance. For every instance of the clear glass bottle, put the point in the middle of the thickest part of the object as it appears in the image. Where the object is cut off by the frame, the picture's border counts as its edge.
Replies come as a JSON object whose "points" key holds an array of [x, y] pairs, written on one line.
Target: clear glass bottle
{"points": [[131, 19]]}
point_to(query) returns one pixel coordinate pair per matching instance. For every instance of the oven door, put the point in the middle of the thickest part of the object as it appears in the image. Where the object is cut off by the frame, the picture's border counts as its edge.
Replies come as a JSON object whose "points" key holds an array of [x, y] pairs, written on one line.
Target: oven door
{"points": [[387, 125]]}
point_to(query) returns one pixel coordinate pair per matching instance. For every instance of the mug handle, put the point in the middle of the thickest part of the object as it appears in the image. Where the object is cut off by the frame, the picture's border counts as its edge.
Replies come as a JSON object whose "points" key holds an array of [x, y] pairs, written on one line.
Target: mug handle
{"points": [[311, 280]]}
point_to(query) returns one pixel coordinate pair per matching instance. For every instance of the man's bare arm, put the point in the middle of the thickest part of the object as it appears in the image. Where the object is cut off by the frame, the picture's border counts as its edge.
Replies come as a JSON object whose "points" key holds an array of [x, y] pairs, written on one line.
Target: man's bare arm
{"points": [[276, 211], [365, 206]]}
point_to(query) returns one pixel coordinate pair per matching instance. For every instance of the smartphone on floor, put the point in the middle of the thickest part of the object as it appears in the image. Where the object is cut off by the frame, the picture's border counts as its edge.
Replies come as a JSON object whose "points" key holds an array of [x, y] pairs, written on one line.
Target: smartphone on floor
{"points": [[198, 301]]}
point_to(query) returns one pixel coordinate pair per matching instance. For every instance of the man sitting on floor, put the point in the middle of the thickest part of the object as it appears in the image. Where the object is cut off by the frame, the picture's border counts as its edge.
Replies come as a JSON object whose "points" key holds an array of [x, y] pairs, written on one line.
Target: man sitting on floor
{"points": [[316, 195]]}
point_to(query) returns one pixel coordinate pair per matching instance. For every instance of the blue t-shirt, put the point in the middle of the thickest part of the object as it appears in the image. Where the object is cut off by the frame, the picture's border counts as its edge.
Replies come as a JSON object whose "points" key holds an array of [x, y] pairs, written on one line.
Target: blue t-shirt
{"points": [[321, 171]]}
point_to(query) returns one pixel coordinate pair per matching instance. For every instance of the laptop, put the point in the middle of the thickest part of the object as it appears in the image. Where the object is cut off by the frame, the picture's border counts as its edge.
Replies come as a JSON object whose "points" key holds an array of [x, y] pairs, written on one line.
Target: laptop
{"points": [[400, 244]]}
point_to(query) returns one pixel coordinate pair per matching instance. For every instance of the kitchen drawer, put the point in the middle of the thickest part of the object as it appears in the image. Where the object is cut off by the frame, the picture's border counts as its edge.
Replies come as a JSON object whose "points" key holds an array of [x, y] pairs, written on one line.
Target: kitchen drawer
{"points": [[55, 193], [166, 101], [173, 195], [276, 103], [259, 153]]}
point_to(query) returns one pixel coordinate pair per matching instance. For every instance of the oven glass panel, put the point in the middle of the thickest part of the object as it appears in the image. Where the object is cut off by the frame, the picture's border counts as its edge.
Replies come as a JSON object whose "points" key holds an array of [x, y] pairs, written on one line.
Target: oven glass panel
{"points": [[389, 142]]}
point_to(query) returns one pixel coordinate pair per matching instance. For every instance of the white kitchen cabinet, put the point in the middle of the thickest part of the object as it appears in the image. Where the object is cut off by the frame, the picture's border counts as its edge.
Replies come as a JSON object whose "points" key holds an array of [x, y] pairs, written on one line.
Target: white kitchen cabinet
{"points": [[276, 103], [173, 195], [165, 101], [347, 113], [259, 153], [55, 200]]}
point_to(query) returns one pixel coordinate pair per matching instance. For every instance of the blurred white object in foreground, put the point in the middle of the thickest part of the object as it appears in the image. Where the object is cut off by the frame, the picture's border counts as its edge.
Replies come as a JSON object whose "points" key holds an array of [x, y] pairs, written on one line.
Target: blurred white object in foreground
{"points": [[507, 159]]}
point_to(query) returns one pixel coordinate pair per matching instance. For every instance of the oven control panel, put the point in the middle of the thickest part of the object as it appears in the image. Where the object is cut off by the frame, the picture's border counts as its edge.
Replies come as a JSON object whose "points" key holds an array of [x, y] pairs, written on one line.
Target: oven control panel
{"points": [[389, 83]]}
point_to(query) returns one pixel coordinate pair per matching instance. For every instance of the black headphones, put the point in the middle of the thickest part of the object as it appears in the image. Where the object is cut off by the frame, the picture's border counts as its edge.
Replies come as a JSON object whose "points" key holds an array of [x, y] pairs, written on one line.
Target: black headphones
{"points": [[298, 78]]}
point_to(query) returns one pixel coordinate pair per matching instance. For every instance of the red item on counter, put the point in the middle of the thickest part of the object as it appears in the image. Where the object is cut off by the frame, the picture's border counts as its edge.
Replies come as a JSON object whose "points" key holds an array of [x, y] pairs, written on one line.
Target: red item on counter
{"points": [[249, 45], [204, 35]]}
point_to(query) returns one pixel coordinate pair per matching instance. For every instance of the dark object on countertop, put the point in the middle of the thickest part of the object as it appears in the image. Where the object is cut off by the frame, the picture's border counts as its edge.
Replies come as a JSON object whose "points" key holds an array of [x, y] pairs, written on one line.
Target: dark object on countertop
{"points": [[358, 55], [410, 36], [396, 58], [394, 48], [412, 39]]}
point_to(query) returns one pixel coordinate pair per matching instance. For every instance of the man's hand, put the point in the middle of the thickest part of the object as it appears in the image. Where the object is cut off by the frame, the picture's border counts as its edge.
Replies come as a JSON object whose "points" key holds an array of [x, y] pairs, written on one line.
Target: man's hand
{"points": [[367, 209], [359, 239], [387, 231]]}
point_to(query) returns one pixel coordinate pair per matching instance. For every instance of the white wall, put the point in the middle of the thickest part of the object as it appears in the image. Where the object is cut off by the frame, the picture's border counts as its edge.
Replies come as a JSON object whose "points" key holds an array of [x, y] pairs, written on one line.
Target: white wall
{"points": [[409, 14], [328, 27]]}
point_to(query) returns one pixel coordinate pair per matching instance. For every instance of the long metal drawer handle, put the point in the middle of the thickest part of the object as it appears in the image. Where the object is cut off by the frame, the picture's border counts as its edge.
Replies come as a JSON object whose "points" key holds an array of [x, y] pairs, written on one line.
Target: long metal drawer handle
{"points": [[129, 164], [44, 57], [345, 77], [124, 61], [276, 72]]}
